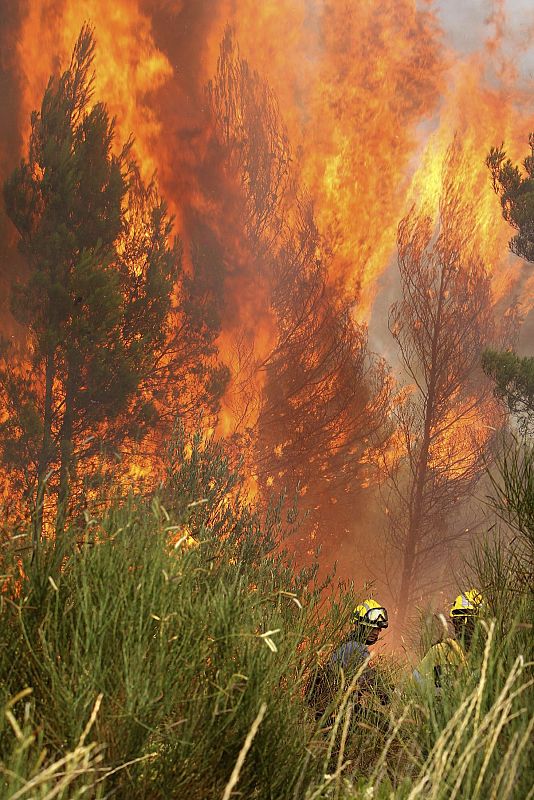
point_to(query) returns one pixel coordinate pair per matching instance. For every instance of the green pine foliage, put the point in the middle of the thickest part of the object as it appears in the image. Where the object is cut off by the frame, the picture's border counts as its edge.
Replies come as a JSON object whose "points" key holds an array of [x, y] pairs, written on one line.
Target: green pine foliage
{"points": [[93, 321], [515, 187], [514, 383], [118, 338], [512, 499]]}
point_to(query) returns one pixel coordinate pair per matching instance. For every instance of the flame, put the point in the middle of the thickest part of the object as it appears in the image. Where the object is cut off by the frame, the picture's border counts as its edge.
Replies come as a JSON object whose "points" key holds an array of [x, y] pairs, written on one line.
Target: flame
{"points": [[354, 86], [464, 432], [371, 97], [358, 91], [129, 67], [480, 115]]}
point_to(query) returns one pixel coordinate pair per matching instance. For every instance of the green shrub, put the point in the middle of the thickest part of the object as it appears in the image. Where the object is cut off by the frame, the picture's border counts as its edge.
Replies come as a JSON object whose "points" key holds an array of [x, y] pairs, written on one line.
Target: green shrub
{"points": [[135, 665], [184, 645]]}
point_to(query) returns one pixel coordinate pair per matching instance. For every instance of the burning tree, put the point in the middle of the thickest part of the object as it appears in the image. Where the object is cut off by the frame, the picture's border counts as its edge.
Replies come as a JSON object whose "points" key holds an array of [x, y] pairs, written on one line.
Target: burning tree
{"points": [[102, 301], [325, 398], [256, 145], [441, 325]]}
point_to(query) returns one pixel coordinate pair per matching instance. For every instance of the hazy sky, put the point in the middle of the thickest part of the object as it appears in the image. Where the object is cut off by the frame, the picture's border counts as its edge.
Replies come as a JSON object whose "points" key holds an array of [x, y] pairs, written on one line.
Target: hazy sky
{"points": [[466, 22]]}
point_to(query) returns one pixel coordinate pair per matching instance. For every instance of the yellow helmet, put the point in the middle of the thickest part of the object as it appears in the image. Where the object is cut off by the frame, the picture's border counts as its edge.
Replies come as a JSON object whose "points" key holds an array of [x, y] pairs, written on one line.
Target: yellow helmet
{"points": [[370, 613], [466, 604]]}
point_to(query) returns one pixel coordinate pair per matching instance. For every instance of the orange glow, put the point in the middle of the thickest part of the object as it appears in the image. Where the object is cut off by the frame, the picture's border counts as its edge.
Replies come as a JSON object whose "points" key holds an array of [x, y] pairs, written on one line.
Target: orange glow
{"points": [[464, 431], [129, 67], [354, 84], [371, 96], [356, 88], [480, 116]]}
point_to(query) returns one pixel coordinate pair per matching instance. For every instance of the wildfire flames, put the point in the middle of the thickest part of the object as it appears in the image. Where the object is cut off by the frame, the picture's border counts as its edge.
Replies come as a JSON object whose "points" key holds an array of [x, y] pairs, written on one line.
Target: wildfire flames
{"points": [[369, 97]]}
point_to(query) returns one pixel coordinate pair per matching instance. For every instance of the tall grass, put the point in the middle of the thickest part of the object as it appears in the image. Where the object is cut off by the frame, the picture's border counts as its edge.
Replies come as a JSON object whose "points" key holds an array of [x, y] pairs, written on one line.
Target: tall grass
{"points": [[135, 665], [475, 739], [27, 773], [183, 645]]}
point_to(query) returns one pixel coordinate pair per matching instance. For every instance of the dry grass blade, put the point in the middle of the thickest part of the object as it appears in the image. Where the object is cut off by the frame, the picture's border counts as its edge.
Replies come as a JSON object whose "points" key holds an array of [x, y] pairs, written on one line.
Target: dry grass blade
{"points": [[234, 777], [341, 709], [91, 720], [385, 750], [514, 751], [469, 732], [62, 773], [340, 765]]}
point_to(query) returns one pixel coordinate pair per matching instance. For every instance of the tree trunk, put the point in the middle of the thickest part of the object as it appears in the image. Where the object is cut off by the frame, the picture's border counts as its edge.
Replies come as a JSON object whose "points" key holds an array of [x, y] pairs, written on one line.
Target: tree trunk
{"points": [[417, 495], [66, 450], [46, 452], [408, 564], [416, 514]]}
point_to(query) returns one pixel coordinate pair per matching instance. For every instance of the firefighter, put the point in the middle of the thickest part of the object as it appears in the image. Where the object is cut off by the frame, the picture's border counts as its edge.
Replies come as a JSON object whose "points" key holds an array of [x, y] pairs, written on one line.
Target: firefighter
{"points": [[464, 612], [450, 655], [368, 620]]}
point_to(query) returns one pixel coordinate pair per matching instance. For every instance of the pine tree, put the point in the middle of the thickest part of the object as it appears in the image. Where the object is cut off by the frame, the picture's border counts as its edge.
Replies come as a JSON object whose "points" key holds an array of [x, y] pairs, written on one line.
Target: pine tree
{"points": [[323, 406], [515, 188], [96, 299], [441, 324], [514, 384]]}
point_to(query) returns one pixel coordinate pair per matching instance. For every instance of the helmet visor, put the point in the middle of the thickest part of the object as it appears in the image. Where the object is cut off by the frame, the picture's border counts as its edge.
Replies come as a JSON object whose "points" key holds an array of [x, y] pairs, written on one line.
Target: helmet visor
{"points": [[378, 617]]}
